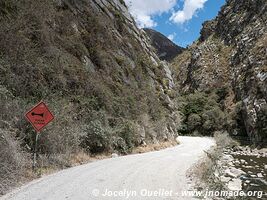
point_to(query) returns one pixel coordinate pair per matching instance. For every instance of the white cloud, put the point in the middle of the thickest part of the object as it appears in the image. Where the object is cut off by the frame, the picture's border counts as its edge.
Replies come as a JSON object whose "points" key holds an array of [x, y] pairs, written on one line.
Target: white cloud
{"points": [[144, 10], [144, 20], [171, 36], [189, 10]]}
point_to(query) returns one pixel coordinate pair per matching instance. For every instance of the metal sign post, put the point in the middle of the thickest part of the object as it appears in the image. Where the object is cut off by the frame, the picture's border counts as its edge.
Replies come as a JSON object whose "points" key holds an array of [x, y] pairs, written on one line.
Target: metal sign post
{"points": [[39, 116], [34, 163]]}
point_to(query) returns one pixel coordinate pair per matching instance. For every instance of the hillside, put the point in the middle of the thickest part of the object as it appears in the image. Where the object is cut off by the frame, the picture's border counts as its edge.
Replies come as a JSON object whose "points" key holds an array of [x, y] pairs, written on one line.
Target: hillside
{"points": [[229, 59], [165, 48], [94, 68]]}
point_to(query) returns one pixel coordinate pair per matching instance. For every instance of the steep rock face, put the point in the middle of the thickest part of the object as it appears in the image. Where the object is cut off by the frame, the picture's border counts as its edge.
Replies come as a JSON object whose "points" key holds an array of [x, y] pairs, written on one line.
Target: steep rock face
{"points": [[231, 53], [165, 48], [247, 32], [92, 65]]}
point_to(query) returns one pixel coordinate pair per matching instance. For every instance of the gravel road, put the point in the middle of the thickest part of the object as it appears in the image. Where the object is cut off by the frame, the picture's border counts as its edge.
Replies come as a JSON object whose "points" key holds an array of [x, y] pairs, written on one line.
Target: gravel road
{"points": [[155, 175]]}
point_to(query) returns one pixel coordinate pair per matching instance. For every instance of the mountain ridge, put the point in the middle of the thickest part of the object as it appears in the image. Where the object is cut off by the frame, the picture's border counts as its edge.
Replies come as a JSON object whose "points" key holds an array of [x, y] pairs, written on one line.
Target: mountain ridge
{"points": [[165, 48]]}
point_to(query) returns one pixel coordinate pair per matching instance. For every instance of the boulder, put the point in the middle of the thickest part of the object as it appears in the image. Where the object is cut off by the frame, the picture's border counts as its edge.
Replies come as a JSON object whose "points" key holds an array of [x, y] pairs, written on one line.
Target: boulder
{"points": [[235, 185], [234, 173], [114, 155], [225, 179], [227, 158]]}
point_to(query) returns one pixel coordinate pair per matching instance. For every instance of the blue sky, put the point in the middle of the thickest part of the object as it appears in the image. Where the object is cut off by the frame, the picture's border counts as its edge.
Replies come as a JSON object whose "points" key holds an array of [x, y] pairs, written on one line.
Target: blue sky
{"points": [[180, 20]]}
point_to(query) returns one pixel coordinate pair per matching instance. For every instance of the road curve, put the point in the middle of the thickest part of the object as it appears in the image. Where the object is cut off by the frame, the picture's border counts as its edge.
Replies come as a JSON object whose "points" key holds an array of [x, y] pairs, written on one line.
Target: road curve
{"points": [[155, 175]]}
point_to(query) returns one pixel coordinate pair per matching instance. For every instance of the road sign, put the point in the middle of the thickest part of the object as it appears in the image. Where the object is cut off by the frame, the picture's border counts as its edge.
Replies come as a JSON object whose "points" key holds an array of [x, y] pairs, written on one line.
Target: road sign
{"points": [[39, 116]]}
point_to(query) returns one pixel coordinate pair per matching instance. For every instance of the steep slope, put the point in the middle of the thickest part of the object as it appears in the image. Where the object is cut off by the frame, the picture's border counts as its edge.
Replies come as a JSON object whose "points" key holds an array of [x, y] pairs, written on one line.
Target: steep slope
{"points": [[230, 56], [165, 48], [96, 71]]}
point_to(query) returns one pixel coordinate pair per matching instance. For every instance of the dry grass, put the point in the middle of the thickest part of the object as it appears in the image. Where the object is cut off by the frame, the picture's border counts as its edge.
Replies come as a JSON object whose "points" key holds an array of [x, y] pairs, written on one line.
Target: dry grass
{"points": [[203, 173], [81, 158], [12, 161]]}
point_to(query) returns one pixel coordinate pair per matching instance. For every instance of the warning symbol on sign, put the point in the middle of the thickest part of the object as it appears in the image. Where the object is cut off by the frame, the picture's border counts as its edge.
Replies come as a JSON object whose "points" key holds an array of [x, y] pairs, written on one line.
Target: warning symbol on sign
{"points": [[39, 116]]}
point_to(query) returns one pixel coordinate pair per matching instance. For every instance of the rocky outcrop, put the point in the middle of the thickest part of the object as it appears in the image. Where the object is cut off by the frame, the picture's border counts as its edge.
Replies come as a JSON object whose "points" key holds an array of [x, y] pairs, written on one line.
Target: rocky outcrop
{"points": [[207, 30], [165, 48], [231, 53]]}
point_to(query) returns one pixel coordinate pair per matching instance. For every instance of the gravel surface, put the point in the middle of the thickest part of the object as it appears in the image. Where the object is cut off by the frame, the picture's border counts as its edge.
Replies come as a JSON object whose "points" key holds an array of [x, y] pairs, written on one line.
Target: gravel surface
{"points": [[127, 177]]}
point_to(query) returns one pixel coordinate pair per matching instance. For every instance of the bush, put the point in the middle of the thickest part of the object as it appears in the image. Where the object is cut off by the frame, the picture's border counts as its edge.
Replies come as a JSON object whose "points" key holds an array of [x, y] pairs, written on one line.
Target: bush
{"points": [[97, 138], [202, 113], [194, 120], [126, 131], [213, 119], [194, 103], [223, 140], [12, 161], [206, 169], [119, 145]]}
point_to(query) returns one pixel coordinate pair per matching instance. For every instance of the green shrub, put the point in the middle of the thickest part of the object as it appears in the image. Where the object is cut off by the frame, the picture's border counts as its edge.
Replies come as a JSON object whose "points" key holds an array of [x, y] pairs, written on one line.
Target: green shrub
{"points": [[193, 121], [119, 145], [194, 103], [202, 113], [222, 93], [126, 131], [96, 138]]}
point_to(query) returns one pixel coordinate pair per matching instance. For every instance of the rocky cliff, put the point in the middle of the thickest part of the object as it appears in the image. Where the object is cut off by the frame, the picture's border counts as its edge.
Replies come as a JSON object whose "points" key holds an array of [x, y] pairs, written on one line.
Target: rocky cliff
{"points": [[230, 56], [165, 48], [94, 68]]}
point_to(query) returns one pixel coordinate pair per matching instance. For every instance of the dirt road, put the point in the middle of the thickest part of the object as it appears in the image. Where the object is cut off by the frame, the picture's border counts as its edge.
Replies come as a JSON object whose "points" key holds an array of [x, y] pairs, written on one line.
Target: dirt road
{"points": [[155, 175]]}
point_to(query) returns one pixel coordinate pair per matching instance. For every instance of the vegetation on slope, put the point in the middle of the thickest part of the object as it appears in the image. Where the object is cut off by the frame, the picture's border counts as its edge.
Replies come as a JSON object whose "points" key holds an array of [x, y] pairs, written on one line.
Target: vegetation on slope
{"points": [[204, 113], [231, 53], [92, 66]]}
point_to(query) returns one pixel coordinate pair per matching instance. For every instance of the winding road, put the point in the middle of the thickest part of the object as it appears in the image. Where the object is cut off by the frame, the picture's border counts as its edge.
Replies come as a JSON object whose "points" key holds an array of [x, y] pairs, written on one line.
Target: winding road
{"points": [[155, 175]]}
